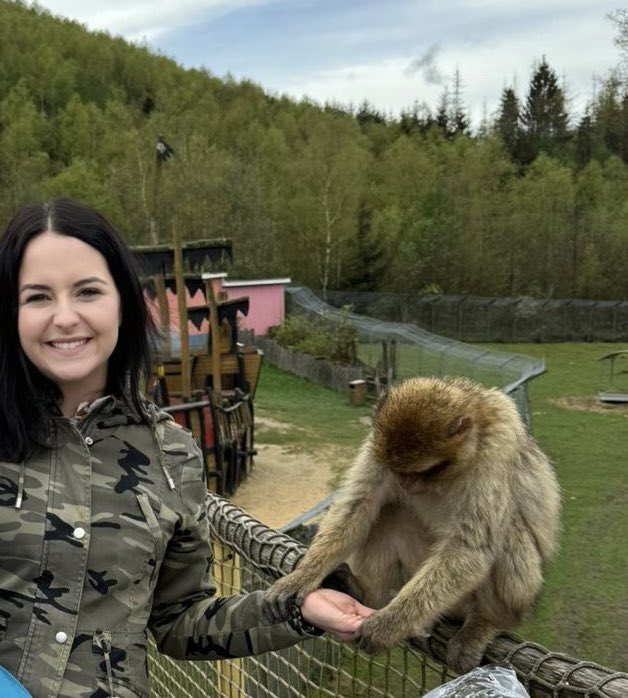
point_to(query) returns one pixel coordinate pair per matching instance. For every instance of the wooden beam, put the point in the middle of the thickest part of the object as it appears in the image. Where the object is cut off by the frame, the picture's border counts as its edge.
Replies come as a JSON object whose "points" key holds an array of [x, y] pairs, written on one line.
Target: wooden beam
{"points": [[186, 365], [214, 328]]}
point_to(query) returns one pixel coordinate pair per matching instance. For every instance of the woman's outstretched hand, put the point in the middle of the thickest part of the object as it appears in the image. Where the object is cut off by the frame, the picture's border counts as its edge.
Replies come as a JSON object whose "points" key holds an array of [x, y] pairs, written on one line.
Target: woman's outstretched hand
{"points": [[334, 612]]}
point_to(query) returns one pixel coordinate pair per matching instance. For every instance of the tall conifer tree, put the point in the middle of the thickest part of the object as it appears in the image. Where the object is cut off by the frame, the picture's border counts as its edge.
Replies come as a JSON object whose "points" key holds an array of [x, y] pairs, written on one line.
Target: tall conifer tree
{"points": [[544, 116], [507, 124]]}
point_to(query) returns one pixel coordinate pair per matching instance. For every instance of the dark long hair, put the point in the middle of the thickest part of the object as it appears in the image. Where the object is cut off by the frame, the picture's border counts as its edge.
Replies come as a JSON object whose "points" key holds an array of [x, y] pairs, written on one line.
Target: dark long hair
{"points": [[23, 389]]}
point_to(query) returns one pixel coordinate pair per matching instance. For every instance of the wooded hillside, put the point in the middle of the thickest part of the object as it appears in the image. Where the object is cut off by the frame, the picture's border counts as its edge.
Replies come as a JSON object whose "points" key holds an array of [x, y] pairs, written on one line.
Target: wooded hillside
{"points": [[533, 202]]}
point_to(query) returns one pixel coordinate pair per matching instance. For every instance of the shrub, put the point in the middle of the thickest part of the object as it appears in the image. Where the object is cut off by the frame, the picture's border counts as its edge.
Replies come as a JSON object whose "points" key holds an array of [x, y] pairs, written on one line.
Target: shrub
{"points": [[322, 336]]}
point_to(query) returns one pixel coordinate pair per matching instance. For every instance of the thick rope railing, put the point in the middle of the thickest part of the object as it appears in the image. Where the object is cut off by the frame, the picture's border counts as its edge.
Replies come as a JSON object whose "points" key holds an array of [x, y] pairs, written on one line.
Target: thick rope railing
{"points": [[544, 673]]}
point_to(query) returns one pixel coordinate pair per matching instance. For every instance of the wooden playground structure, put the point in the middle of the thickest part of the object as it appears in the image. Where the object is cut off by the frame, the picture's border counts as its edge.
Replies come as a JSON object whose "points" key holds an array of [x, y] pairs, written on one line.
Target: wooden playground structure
{"points": [[208, 384]]}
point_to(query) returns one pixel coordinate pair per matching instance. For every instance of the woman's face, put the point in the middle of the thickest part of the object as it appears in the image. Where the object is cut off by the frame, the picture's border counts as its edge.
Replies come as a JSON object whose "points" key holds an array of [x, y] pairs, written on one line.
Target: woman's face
{"points": [[68, 314]]}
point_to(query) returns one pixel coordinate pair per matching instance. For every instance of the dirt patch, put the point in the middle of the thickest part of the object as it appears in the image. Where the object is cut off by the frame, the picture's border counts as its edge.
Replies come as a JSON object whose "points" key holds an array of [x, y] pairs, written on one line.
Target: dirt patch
{"points": [[591, 404], [283, 484], [262, 423], [285, 481]]}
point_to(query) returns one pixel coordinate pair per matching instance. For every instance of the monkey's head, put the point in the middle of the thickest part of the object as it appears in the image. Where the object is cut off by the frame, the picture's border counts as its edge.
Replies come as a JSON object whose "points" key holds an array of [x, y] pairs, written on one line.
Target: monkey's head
{"points": [[425, 426]]}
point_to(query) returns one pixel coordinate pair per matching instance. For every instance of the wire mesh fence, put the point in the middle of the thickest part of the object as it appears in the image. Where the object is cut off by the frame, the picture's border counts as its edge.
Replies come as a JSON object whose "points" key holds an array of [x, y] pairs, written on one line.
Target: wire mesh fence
{"points": [[250, 555], [479, 319], [389, 351]]}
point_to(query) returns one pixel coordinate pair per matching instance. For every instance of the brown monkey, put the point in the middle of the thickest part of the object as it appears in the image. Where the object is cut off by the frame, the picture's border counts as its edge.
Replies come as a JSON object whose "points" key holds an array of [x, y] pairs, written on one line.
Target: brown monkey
{"points": [[450, 509]]}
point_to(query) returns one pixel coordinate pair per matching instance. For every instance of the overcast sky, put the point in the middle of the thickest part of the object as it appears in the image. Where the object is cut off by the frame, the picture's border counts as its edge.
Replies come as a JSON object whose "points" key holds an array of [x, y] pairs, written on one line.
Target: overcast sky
{"points": [[389, 52]]}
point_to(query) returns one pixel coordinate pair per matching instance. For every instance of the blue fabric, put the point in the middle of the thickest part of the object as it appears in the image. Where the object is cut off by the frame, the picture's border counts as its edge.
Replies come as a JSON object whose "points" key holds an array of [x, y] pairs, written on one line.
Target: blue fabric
{"points": [[10, 687]]}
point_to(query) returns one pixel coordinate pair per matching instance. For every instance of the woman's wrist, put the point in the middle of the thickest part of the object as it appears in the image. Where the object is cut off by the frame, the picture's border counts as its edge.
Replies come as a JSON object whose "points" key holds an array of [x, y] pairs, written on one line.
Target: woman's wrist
{"points": [[299, 623]]}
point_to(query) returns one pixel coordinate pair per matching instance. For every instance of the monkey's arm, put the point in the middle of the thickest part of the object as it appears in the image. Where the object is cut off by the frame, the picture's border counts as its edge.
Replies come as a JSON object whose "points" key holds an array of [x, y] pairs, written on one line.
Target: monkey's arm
{"points": [[345, 527]]}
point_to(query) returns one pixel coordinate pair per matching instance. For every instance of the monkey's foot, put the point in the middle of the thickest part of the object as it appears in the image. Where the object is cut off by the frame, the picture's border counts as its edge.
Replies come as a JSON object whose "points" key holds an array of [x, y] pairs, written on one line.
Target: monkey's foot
{"points": [[464, 653]]}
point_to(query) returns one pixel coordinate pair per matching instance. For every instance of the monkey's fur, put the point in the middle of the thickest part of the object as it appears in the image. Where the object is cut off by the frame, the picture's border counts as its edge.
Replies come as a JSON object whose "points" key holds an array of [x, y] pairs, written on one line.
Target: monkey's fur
{"points": [[450, 509]]}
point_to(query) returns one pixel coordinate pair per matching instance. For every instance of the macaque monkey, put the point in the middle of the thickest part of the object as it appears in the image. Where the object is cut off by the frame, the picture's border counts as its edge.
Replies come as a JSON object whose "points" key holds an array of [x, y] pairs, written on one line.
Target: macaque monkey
{"points": [[450, 509]]}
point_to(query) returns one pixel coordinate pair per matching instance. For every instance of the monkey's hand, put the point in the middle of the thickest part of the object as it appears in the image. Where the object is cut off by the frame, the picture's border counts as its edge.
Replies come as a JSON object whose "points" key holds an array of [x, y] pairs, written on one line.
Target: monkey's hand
{"points": [[294, 587], [383, 630], [291, 589]]}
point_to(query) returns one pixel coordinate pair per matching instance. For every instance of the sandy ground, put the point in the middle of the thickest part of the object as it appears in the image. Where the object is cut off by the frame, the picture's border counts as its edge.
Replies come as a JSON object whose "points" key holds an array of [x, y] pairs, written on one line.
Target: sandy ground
{"points": [[591, 404], [283, 485]]}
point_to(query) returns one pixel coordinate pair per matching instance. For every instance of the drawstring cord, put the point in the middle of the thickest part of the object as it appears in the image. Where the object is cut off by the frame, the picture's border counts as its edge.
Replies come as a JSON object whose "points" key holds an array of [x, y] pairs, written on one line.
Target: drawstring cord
{"points": [[103, 641], [20, 486], [22, 474], [167, 475], [158, 436]]}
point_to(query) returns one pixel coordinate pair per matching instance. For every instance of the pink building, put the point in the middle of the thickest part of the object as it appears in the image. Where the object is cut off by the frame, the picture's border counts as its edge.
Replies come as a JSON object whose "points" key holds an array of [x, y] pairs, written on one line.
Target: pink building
{"points": [[267, 306]]}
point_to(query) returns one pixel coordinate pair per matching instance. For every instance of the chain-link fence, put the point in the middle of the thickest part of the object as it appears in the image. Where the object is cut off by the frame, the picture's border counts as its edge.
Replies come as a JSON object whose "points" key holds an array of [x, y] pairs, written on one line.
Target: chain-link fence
{"points": [[477, 319], [249, 556]]}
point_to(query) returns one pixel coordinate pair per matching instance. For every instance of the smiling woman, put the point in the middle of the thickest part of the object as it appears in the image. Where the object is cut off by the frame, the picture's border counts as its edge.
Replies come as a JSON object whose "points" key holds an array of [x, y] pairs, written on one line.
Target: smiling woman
{"points": [[104, 533], [46, 250]]}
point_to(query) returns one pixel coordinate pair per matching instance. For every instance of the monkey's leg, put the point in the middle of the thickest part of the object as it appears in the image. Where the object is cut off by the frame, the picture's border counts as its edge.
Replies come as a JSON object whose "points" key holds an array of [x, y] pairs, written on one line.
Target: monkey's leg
{"points": [[466, 648], [500, 604], [379, 571]]}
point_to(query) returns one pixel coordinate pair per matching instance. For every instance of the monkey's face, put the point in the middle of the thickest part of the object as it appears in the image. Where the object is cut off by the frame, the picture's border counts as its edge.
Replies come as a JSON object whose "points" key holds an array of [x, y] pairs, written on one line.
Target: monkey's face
{"points": [[421, 428]]}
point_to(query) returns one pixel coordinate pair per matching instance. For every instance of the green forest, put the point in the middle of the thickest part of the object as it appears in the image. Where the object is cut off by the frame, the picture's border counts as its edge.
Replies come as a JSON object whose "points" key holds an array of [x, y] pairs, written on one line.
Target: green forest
{"points": [[533, 201]]}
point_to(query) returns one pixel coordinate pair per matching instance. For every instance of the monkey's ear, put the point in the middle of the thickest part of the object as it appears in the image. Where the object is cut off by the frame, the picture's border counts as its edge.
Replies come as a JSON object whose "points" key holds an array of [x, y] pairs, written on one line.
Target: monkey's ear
{"points": [[460, 425]]}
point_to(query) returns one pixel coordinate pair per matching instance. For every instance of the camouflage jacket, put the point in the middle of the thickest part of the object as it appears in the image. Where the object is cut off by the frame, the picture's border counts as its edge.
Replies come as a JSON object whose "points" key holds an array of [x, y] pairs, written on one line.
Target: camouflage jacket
{"points": [[103, 536]]}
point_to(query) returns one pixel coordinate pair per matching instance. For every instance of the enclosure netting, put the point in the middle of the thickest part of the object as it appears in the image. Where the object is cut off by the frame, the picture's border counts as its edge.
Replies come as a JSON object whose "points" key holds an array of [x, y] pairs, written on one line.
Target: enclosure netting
{"points": [[250, 555], [482, 319], [406, 350]]}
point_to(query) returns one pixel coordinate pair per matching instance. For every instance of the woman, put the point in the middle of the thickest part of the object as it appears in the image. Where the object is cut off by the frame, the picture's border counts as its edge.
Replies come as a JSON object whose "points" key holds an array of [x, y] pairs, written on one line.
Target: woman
{"points": [[103, 526]]}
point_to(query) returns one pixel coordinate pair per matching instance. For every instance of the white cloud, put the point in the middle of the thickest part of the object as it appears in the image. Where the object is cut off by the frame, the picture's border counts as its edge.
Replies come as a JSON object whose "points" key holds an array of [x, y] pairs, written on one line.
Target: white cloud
{"points": [[578, 52], [385, 84], [141, 19]]}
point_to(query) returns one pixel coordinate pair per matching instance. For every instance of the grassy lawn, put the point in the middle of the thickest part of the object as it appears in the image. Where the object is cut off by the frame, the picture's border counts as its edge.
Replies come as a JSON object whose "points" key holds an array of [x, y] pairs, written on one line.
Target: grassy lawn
{"points": [[321, 416], [584, 607]]}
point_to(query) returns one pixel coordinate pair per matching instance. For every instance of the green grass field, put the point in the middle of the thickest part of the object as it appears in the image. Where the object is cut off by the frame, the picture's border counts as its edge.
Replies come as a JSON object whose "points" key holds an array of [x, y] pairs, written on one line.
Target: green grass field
{"points": [[583, 610]]}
